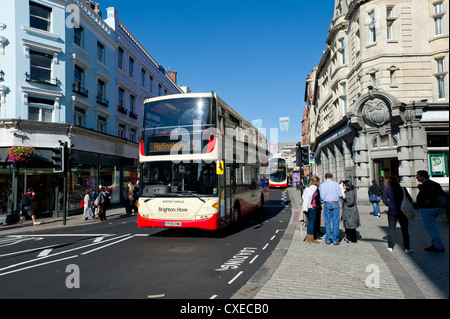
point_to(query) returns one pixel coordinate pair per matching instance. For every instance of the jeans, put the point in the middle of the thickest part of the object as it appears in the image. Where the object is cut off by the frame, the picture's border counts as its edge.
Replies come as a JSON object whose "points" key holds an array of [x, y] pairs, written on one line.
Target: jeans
{"points": [[331, 214], [392, 222], [311, 220], [376, 207], [429, 216]]}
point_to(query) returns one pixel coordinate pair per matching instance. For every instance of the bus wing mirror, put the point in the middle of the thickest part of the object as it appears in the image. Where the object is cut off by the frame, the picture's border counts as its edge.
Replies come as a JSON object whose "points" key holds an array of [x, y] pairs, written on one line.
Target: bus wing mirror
{"points": [[219, 167]]}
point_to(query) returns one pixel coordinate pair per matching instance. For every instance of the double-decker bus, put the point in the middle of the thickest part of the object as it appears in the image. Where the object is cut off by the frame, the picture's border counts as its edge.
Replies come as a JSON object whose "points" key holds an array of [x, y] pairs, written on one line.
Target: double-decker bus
{"points": [[277, 172], [202, 164]]}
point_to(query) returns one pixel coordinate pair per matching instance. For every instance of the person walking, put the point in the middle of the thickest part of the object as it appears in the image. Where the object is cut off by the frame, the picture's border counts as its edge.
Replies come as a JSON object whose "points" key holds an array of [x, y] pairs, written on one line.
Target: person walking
{"points": [[427, 200], [102, 204], [392, 197], [26, 209], [87, 210], [310, 202], [330, 192], [375, 193], [350, 214], [129, 198]]}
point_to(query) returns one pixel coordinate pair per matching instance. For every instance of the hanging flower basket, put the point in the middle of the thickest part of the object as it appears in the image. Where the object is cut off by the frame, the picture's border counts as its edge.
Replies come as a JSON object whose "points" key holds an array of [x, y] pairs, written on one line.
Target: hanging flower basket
{"points": [[20, 154]]}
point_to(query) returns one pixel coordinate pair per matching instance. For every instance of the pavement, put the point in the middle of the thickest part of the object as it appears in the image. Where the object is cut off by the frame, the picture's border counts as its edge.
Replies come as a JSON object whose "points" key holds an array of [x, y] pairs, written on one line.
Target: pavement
{"points": [[365, 270], [299, 270]]}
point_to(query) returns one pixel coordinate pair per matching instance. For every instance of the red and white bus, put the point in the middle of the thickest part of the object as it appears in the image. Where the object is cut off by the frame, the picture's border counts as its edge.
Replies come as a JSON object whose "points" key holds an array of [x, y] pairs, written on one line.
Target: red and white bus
{"points": [[200, 163], [277, 172]]}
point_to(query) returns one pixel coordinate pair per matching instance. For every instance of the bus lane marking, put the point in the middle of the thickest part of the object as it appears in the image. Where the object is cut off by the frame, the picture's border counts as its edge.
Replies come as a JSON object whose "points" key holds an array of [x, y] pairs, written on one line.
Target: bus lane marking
{"points": [[235, 277], [238, 259]]}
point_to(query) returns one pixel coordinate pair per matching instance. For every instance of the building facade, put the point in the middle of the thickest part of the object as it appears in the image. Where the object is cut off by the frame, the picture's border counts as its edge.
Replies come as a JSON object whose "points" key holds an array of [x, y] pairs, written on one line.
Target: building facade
{"points": [[380, 103], [60, 83]]}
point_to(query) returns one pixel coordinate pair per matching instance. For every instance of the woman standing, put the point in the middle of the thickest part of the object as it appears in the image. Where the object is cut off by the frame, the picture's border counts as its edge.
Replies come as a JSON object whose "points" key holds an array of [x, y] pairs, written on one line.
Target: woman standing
{"points": [[374, 198], [87, 213], [311, 203], [350, 215], [392, 197]]}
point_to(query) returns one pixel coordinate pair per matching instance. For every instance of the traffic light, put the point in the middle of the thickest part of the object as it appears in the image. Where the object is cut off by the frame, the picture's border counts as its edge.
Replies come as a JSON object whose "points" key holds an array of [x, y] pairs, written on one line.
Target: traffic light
{"points": [[58, 159], [298, 154], [305, 155]]}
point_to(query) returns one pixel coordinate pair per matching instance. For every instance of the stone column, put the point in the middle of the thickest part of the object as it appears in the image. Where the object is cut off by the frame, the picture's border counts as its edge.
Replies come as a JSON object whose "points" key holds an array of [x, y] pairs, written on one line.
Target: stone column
{"points": [[339, 161]]}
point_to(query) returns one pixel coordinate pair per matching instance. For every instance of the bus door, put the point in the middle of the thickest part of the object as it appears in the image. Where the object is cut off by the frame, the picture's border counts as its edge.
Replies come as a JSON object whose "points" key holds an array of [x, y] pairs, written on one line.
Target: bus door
{"points": [[226, 189]]}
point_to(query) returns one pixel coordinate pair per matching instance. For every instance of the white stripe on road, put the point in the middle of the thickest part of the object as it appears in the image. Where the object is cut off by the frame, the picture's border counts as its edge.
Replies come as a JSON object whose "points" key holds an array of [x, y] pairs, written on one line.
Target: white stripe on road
{"points": [[235, 277], [251, 261], [113, 243], [37, 265], [265, 246], [45, 252]]}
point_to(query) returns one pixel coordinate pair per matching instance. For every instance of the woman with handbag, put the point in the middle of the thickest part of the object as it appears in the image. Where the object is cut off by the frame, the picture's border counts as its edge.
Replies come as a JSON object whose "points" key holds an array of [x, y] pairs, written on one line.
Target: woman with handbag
{"points": [[87, 212], [392, 197], [311, 206], [350, 214], [375, 193]]}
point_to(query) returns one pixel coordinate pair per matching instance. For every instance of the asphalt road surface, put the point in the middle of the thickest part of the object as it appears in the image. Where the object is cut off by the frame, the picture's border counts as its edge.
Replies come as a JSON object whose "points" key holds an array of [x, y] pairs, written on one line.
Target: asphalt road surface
{"points": [[117, 259]]}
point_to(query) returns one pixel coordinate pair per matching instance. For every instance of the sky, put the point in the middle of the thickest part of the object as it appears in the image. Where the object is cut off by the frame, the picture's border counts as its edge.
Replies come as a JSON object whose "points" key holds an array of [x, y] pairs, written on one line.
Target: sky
{"points": [[255, 54]]}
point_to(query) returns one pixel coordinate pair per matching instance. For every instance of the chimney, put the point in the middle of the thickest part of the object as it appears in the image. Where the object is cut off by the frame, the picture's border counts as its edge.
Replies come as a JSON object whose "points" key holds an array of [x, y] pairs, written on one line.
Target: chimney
{"points": [[94, 6], [172, 75]]}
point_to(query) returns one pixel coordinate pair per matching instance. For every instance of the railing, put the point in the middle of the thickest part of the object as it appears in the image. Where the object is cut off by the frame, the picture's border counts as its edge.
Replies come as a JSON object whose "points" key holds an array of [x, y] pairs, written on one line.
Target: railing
{"points": [[121, 109], [37, 78], [102, 101], [80, 90]]}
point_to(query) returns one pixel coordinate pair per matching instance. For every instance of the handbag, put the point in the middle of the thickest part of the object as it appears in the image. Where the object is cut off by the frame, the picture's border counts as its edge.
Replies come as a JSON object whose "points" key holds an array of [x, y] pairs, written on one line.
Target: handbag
{"points": [[406, 207], [373, 198]]}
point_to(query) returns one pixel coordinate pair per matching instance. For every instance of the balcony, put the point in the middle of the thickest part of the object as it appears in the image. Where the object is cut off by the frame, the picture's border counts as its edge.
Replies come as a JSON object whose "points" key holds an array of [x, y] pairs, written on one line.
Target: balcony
{"points": [[133, 115], [102, 101], [42, 79], [80, 90], [122, 110]]}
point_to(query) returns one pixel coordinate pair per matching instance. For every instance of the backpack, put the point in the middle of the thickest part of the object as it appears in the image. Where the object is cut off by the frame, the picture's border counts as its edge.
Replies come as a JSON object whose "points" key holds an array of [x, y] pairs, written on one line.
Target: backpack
{"points": [[406, 207], [82, 203]]}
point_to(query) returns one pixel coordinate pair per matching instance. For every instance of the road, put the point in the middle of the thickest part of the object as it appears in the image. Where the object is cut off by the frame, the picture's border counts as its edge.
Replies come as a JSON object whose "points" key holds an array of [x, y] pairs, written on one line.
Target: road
{"points": [[118, 260]]}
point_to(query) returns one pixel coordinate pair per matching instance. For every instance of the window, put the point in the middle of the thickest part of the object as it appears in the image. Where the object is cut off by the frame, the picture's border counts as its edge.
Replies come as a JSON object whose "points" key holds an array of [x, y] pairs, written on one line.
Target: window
{"points": [[78, 85], [101, 123], [372, 29], [121, 94], [132, 134], [342, 50], [373, 77], [100, 52], [132, 99], [78, 36], [143, 78], [390, 23], [40, 16], [438, 19], [121, 131], [131, 67], [101, 93], [40, 66], [440, 78], [392, 77], [120, 59], [79, 116], [344, 97], [40, 109], [150, 84], [159, 89]]}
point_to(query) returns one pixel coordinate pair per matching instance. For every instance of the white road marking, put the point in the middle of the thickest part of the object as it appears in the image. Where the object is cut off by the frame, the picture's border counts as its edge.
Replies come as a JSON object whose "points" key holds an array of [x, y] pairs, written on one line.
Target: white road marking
{"points": [[235, 277], [272, 238], [45, 252], [213, 297], [251, 261], [104, 246], [265, 246], [37, 265]]}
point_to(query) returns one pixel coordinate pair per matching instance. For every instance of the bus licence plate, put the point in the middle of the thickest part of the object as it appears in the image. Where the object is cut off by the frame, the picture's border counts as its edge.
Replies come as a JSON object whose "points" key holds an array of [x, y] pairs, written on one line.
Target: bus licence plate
{"points": [[172, 223]]}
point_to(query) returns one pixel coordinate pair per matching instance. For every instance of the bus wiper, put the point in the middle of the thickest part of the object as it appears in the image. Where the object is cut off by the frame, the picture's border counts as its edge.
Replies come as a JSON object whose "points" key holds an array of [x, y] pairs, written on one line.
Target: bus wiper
{"points": [[191, 193]]}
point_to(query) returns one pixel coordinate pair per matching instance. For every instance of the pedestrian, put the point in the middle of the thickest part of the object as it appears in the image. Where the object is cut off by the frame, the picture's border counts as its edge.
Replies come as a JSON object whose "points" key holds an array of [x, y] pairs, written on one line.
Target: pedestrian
{"points": [[26, 209], [375, 193], [102, 204], [427, 200], [330, 192], [310, 202], [87, 210], [392, 197], [350, 214], [341, 200], [136, 196], [129, 197]]}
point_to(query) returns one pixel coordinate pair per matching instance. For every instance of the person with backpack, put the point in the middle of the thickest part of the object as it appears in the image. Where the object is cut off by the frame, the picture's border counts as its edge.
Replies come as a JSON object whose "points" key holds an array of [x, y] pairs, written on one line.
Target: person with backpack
{"points": [[375, 193], [427, 200], [102, 203], [26, 209]]}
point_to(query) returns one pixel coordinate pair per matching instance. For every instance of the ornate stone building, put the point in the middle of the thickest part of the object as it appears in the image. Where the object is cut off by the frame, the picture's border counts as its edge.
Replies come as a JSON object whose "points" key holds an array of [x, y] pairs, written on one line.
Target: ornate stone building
{"points": [[380, 102]]}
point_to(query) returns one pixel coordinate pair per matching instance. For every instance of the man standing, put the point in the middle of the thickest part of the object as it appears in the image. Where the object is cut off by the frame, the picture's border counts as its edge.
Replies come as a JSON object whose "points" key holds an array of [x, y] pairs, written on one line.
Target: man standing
{"points": [[329, 194], [427, 199]]}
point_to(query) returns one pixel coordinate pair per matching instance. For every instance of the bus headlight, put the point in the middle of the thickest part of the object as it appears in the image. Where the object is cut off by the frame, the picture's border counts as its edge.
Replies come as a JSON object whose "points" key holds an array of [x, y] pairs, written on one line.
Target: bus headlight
{"points": [[215, 205]]}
